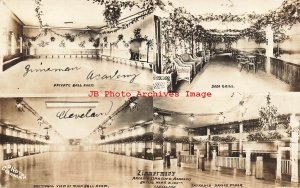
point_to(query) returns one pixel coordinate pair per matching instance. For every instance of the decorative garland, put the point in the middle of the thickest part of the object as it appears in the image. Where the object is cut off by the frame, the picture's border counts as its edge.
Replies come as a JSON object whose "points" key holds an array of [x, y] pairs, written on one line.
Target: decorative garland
{"points": [[187, 27], [226, 139], [112, 13], [261, 137], [268, 115]]}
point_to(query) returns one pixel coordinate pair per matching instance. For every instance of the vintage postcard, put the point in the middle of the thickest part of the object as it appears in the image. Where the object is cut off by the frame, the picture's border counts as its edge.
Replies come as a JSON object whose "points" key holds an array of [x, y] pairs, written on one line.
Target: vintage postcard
{"points": [[149, 93]]}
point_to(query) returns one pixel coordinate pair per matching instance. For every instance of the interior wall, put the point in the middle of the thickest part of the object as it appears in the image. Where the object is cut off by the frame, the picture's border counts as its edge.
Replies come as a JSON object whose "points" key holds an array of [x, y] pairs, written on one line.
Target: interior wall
{"points": [[9, 25], [25, 120], [147, 28], [248, 45], [292, 44], [121, 50], [55, 46]]}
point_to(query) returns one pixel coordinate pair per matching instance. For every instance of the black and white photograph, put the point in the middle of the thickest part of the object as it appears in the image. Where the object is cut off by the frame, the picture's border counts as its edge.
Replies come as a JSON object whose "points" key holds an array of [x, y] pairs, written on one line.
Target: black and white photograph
{"points": [[51, 142], [74, 46], [237, 140], [233, 45], [149, 93]]}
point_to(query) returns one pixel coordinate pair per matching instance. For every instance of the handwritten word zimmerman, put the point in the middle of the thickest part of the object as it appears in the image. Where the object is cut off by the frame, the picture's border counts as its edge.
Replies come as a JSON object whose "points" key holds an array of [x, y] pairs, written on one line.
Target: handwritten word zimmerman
{"points": [[28, 69]]}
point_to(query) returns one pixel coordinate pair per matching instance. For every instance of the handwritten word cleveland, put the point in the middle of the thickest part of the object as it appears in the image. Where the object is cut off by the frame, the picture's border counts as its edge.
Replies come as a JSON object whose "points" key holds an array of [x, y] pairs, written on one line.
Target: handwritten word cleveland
{"points": [[67, 114]]}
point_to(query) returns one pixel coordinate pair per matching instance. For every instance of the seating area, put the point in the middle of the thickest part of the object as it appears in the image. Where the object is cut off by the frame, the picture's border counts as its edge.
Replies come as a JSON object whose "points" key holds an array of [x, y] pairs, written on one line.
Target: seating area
{"points": [[249, 61], [235, 142], [184, 67]]}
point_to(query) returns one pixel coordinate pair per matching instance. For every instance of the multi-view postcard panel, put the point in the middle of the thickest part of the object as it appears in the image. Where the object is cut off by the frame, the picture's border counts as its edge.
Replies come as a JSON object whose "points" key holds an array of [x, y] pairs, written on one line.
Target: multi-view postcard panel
{"points": [[149, 93], [53, 49], [211, 142], [229, 46], [75, 141]]}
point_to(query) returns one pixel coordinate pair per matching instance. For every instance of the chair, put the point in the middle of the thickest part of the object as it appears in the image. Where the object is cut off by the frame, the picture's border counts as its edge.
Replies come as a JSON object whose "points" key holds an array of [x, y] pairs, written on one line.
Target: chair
{"points": [[259, 61], [242, 63], [192, 64], [251, 64], [189, 58], [162, 82], [184, 72]]}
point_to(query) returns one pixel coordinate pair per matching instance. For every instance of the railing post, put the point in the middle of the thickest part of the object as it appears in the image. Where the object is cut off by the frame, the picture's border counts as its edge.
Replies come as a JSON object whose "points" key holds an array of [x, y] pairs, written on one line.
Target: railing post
{"points": [[213, 161], [269, 48], [278, 167], [248, 163], [200, 161], [178, 159], [241, 139], [294, 148], [207, 144], [259, 171]]}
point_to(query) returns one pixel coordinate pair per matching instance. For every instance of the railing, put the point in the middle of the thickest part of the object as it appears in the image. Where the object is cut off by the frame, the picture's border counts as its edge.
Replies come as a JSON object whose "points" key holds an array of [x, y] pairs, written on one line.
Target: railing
{"points": [[188, 159], [231, 162], [287, 72], [286, 167]]}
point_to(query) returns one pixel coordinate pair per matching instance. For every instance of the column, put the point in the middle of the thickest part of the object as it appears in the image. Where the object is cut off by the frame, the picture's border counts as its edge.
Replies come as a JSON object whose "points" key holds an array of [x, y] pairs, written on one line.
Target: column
{"points": [[190, 144], [278, 166], [241, 139], [248, 163], [213, 161], [1, 45], [21, 45], [1, 153], [207, 144], [269, 47], [158, 46], [294, 148], [178, 159]]}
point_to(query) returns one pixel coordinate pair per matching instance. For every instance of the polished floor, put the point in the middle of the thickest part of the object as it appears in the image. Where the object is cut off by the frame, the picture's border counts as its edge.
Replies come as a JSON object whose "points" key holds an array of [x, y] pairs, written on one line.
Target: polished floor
{"points": [[223, 71], [97, 168], [42, 82], [76, 168], [225, 177]]}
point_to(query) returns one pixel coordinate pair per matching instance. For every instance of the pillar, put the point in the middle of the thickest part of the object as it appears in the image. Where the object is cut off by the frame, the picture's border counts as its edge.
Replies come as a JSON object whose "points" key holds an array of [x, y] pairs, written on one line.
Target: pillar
{"points": [[278, 166], [294, 148], [269, 47], [259, 171], [21, 45], [1, 153], [178, 159], [207, 144], [158, 46], [241, 139], [248, 163], [1, 46], [200, 161], [213, 161]]}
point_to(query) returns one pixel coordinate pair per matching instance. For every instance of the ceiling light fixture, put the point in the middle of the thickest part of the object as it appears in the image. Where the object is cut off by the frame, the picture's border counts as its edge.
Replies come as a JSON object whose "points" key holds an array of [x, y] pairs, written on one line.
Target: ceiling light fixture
{"points": [[192, 117], [71, 104]]}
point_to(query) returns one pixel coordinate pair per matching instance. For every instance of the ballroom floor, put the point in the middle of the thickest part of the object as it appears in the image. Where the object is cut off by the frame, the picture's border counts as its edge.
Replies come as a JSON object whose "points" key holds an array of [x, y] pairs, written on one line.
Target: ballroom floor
{"points": [[209, 178], [40, 83], [223, 71], [76, 168]]}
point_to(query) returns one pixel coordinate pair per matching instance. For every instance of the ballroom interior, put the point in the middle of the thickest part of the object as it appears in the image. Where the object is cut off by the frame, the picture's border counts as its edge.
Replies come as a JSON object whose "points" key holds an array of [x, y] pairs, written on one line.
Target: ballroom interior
{"points": [[252, 139], [237, 45], [103, 37], [53, 141]]}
